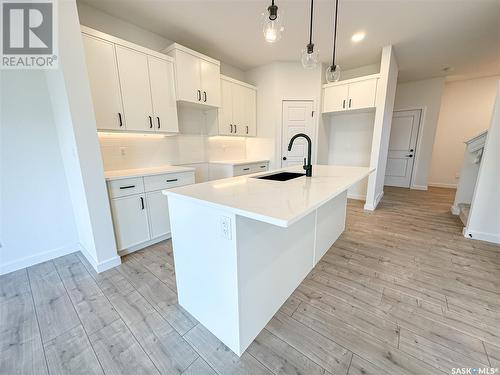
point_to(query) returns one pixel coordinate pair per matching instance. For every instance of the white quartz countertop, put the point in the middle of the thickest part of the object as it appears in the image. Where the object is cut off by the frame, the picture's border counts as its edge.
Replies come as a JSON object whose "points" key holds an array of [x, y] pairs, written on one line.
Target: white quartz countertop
{"points": [[279, 203], [239, 161], [139, 172]]}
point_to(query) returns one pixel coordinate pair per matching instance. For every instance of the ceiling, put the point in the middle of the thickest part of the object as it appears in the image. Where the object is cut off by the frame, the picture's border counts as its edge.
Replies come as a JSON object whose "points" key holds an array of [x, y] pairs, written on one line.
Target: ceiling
{"points": [[428, 35]]}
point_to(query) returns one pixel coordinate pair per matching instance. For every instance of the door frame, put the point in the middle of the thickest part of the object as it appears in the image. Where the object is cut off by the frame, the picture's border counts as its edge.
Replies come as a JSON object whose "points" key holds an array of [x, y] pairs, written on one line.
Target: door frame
{"points": [[314, 138], [418, 145]]}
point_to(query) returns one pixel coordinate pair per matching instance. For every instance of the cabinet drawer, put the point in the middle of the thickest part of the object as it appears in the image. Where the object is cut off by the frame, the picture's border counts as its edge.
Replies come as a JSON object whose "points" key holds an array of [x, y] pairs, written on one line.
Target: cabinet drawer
{"points": [[124, 187], [240, 170], [167, 181], [259, 167]]}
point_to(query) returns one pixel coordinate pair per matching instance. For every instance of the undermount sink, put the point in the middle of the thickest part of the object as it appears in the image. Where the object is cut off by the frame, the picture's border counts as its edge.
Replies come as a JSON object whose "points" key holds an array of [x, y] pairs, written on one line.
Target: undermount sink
{"points": [[281, 176]]}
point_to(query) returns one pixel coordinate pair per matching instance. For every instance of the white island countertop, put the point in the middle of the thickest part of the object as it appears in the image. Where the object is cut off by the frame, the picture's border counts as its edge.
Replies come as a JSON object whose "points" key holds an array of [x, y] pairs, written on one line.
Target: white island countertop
{"points": [[280, 203], [139, 172]]}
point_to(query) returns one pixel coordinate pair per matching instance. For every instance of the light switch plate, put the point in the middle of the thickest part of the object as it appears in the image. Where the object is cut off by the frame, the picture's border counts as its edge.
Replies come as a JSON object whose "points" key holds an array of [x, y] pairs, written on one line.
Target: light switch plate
{"points": [[225, 226]]}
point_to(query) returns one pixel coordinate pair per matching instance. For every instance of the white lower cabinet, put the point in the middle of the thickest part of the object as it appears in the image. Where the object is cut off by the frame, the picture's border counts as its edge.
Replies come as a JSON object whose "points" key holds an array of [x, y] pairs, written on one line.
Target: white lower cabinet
{"points": [[159, 223], [218, 170], [130, 220], [140, 210]]}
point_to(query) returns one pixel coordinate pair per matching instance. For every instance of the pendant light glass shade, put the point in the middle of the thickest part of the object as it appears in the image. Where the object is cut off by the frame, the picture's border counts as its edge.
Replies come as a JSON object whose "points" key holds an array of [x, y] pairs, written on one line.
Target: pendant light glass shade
{"points": [[332, 73], [310, 57], [272, 24]]}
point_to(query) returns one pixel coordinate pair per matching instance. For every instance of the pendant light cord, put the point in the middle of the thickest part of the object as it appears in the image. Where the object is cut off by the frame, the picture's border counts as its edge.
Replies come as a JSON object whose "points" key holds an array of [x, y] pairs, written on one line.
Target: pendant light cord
{"points": [[311, 24], [335, 32]]}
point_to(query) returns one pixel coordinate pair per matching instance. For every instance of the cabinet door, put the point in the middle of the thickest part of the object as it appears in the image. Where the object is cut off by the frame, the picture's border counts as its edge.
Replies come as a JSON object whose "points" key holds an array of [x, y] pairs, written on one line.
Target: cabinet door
{"points": [[136, 92], [130, 221], [362, 94], [159, 222], [250, 100], [210, 83], [188, 77], [335, 98], [226, 108], [239, 112], [104, 83], [161, 77]]}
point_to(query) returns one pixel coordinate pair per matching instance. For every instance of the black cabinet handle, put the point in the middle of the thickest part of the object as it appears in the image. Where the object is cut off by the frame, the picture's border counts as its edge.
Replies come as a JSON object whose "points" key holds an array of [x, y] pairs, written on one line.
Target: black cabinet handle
{"points": [[263, 166], [343, 104], [199, 95], [246, 169], [235, 129], [158, 119], [142, 203], [247, 128], [127, 187], [120, 119], [205, 96], [284, 157], [150, 122], [350, 100], [173, 180], [411, 150], [231, 127], [409, 156]]}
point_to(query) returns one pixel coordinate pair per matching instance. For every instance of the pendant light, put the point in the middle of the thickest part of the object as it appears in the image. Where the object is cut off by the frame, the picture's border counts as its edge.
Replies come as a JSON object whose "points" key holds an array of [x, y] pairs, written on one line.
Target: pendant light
{"points": [[309, 56], [333, 71], [272, 23]]}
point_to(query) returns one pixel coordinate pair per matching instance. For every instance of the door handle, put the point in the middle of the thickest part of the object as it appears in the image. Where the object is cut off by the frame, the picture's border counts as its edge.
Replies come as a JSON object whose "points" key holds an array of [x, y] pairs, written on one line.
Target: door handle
{"points": [[120, 119], [142, 203], [158, 119], [284, 157], [150, 122], [199, 95], [205, 96]]}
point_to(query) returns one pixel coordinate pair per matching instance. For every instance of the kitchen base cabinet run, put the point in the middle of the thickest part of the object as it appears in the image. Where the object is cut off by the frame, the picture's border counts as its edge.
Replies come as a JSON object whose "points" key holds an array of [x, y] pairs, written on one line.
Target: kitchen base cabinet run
{"points": [[140, 210]]}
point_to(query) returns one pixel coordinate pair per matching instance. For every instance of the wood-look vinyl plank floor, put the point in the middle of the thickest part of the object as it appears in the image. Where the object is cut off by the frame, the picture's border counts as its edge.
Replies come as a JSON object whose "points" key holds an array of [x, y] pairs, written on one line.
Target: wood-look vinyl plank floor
{"points": [[401, 292]]}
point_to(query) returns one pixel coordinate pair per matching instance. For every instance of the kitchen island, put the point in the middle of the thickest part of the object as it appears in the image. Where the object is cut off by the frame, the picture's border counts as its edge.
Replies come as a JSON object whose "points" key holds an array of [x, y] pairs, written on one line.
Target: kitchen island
{"points": [[242, 245]]}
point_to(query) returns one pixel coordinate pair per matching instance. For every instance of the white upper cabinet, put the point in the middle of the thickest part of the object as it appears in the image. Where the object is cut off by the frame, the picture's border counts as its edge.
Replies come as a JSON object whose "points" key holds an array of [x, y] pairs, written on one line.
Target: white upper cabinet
{"points": [[136, 90], [238, 112], [197, 76], [358, 93], [161, 77], [133, 88], [104, 83]]}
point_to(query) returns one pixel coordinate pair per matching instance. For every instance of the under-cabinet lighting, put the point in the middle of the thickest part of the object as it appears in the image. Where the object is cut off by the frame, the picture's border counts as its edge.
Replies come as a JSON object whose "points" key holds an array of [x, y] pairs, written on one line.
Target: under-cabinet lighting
{"points": [[225, 138], [132, 135], [358, 37]]}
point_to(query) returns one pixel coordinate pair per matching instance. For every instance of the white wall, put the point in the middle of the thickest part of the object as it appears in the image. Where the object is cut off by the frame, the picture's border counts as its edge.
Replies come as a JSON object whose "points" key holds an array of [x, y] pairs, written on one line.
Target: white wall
{"points": [[350, 143], [484, 219], [36, 211], [466, 109], [424, 95], [277, 82]]}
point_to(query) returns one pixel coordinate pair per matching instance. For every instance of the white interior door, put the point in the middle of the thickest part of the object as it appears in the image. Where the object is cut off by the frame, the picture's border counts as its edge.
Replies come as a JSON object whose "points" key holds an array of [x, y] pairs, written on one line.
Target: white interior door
{"points": [[297, 118], [402, 148], [161, 77]]}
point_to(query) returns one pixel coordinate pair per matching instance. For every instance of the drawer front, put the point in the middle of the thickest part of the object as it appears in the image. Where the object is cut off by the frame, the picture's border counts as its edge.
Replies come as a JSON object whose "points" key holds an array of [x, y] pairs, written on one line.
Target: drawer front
{"points": [[240, 170], [168, 181], [259, 167], [126, 186]]}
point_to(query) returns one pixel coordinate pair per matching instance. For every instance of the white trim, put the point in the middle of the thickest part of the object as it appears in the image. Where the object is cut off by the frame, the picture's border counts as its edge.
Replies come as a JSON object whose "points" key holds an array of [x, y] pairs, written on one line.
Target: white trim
{"points": [[108, 264], [144, 244], [443, 185], [418, 187], [358, 197], [370, 207], [455, 210], [176, 46], [241, 83], [348, 81], [38, 258], [482, 236], [121, 42]]}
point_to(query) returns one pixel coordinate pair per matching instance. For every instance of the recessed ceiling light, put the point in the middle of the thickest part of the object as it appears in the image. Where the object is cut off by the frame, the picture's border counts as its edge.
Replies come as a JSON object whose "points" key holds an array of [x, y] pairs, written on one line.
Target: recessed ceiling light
{"points": [[358, 37]]}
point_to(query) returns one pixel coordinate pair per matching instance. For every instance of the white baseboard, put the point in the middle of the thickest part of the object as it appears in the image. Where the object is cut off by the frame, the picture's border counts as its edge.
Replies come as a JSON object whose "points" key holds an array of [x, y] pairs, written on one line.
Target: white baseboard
{"points": [[488, 237], [359, 197], [419, 187], [108, 264], [370, 207], [38, 258], [441, 185], [144, 244]]}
